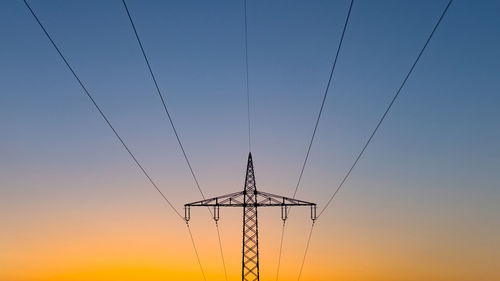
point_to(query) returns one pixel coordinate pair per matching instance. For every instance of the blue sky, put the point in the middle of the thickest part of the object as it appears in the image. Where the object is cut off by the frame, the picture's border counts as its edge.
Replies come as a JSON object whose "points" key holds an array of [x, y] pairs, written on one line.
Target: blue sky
{"points": [[437, 150]]}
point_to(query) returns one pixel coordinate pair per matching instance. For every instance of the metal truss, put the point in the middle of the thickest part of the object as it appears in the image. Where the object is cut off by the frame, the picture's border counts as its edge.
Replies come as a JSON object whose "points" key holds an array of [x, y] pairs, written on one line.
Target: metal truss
{"points": [[250, 200], [237, 199]]}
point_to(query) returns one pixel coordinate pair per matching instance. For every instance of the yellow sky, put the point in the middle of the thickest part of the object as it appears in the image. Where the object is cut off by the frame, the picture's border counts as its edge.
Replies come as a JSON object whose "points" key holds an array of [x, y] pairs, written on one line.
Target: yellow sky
{"points": [[148, 249]]}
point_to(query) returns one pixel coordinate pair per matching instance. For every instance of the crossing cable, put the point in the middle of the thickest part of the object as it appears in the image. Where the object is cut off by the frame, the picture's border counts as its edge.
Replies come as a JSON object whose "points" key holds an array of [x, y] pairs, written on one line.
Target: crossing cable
{"points": [[281, 251], [221, 251], [317, 123], [162, 100], [113, 129], [196, 251], [381, 119], [306, 250], [101, 112], [247, 83], [388, 107], [173, 127], [324, 99]]}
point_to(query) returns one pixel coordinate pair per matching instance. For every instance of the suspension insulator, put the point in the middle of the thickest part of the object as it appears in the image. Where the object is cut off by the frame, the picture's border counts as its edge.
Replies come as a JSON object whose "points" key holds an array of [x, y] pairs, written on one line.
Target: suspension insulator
{"points": [[187, 213], [216, 213], [314, 216], [284, 212]]}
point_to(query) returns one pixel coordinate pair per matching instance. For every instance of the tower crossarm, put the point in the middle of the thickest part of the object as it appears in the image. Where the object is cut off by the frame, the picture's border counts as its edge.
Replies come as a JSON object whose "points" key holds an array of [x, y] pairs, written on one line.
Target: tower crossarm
{"points": [[229, 200], [265, 199], [250, 199], [237, 199]]}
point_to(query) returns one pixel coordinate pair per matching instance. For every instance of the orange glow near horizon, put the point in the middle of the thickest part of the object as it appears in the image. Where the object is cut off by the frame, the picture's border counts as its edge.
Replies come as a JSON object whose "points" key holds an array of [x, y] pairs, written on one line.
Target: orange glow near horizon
{"points": [[123, 251], [421, 204]]}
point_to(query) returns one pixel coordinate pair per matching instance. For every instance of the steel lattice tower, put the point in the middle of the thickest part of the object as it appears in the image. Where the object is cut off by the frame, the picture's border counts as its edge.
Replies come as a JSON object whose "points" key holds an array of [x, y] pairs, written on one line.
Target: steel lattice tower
{"points": [[250, 199], [250, 268]]}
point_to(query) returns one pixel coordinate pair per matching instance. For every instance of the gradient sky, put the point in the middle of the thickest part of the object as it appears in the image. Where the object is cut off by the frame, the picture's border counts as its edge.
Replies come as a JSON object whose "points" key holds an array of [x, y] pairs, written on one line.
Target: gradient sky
{"points": [[423, 204]]}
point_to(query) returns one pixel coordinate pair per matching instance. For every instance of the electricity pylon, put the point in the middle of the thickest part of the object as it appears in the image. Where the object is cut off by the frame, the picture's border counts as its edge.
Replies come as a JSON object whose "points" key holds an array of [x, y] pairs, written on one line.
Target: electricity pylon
{"points": [[250, 199]]}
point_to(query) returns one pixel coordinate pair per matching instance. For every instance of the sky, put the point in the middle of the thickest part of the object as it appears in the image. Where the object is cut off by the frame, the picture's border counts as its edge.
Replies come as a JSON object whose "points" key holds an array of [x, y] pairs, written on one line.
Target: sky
{"points": [[423, 203]]}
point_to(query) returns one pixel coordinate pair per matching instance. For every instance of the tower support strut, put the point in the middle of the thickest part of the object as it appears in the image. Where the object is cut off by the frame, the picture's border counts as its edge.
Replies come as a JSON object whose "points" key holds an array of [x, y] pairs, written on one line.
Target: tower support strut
{"points": [[250, 200]]}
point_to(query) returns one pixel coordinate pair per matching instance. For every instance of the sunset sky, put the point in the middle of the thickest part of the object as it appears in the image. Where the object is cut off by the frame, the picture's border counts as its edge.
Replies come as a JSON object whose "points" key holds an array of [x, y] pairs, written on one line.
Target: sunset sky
{"points": [[423, 203]]}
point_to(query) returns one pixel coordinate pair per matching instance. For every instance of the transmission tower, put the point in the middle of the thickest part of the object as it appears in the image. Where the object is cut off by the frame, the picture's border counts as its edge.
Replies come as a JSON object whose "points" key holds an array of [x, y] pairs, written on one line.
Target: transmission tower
{"points": [[250, 199]]}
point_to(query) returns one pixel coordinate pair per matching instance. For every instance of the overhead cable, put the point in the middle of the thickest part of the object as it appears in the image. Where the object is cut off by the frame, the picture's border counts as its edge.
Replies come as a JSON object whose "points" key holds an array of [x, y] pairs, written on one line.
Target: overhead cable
{"points": [[173, 128], [316, 125], [114, 130], [247, 80], [381, 119]]}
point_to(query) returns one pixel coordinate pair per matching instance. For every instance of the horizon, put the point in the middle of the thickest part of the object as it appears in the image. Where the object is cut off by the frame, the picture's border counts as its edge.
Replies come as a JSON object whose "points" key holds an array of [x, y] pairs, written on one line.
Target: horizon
{"points": [[421, 204]]}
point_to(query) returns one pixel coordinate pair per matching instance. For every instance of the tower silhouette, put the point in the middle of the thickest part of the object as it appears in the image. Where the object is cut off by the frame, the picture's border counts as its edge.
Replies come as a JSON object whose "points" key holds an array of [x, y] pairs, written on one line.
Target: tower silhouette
{"points": [[250, 200]]}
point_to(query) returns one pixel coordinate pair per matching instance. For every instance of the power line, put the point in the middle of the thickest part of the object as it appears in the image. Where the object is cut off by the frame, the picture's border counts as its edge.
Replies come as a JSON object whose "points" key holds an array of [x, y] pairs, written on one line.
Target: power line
{"points": [[114, 130], [281, 251], [162, 99], [221, 251], [100, 111], [380, 121], [388, 108], [306, 250], [173, 128], [324, 98], [316, 124], [196, 251], [247, 82]]}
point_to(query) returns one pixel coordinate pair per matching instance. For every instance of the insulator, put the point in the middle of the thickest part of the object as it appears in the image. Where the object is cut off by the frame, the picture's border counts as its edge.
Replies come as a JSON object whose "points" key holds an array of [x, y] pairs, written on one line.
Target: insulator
{"points": [[216, 213], [284, 212], [187, 213], [313, 212]]}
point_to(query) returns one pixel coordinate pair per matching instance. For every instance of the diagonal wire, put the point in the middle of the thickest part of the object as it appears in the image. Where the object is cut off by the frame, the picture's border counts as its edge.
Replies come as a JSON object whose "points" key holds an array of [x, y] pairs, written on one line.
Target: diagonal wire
{"points": [[221, 251], [114, 130], [387, 109], [101, 112], [281, 250], [317, 122], [324, 99], [196, 251], [247, 83], [380, 121], [174, 129], [163, 100], [305, 252]]}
